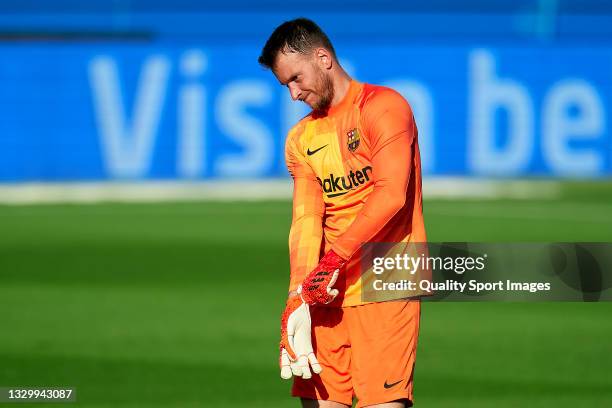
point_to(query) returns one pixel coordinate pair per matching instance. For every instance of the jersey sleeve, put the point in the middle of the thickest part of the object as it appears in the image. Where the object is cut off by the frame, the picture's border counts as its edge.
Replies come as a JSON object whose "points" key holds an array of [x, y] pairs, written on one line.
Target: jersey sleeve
{"points": [[306, 233], [388, 123]]}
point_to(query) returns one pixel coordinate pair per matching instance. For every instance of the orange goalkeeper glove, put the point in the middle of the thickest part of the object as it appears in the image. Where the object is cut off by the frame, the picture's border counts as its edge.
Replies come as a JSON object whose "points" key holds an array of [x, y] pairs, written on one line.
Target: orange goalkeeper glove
{"points": [[317, 287]]}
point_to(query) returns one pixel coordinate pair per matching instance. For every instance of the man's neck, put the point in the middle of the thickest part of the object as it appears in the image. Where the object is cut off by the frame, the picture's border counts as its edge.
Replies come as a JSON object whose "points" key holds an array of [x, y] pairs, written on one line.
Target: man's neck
{"points": [[341, 87]]}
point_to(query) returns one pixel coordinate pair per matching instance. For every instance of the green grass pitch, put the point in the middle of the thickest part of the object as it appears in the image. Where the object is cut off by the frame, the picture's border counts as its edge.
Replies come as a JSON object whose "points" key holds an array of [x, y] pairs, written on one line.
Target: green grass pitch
{"points": [[178, 305]]}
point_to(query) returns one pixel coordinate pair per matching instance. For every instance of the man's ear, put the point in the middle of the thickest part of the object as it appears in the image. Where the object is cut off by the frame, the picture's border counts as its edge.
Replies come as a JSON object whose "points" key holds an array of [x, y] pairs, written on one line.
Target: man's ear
{"points": [[324, 58]]}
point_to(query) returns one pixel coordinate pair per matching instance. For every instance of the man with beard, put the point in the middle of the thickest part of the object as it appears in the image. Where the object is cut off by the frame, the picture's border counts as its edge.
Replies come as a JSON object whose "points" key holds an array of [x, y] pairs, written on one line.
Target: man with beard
{"points": [[356, 169]]}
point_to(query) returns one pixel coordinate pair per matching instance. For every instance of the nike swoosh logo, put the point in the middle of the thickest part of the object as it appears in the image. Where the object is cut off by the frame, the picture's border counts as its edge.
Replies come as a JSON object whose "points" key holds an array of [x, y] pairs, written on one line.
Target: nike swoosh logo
{"points": [[392, 385], [310, 153]]}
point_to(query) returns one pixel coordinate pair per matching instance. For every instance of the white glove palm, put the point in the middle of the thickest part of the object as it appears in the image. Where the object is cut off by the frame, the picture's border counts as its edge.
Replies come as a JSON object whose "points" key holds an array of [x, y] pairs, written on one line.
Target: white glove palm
{"points": [[299, 341]]}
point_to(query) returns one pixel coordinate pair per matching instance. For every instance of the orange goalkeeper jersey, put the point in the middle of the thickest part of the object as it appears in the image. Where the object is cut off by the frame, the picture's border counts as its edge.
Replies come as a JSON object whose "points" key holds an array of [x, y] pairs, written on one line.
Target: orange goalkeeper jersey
{"points": [[357, 179]]}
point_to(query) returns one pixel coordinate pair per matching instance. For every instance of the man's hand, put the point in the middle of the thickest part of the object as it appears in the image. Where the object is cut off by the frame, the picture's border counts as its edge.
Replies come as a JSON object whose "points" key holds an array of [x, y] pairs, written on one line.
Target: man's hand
{"points": [[296, 353], [317, 287]]}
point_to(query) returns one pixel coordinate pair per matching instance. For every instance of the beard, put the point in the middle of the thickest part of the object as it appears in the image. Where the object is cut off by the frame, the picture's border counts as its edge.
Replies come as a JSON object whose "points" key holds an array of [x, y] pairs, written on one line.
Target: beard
{"points": [[325, 90]]}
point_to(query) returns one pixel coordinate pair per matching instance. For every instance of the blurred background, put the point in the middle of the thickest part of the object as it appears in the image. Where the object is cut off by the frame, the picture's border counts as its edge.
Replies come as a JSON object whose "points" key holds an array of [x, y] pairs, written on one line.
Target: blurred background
{"points": [[145, 205]]}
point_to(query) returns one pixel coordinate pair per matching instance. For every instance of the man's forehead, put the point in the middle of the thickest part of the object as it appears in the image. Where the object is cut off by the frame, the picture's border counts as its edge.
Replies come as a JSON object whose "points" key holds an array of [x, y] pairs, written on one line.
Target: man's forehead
{"points": [[287, 63]]}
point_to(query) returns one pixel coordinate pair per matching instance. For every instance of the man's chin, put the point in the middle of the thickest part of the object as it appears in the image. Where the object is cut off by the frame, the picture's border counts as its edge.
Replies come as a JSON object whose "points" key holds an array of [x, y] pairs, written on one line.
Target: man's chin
{"points": [[312, 105], [319, 107]]}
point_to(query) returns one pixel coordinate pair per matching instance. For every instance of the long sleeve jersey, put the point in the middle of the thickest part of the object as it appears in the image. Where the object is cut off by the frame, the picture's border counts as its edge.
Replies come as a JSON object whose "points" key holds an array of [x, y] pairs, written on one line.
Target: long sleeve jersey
{"points": [[357, 179]]}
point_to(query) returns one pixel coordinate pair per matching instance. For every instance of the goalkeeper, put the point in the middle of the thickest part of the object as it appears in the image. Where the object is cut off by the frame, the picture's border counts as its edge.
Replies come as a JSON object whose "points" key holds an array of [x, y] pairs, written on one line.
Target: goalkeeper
{"points": [[356, 169]]}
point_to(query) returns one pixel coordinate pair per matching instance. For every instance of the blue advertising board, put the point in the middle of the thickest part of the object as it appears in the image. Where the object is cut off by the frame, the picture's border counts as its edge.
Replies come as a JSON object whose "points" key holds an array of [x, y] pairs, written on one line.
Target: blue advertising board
{"points": [[111, 111]]}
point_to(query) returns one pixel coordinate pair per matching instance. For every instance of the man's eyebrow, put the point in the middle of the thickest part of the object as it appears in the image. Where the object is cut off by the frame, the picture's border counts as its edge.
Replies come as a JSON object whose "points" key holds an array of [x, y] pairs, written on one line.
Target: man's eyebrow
{"points": [[293, 78]]}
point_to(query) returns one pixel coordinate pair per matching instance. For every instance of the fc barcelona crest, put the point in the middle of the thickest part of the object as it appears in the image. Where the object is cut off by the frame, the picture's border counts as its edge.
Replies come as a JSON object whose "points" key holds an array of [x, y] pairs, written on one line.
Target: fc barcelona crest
{"points": [[353, 140]]}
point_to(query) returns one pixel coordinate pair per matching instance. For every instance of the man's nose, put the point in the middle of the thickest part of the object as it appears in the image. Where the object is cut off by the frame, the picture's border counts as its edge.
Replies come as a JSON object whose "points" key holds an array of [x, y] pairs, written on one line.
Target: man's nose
{"points": [[295, 92]]}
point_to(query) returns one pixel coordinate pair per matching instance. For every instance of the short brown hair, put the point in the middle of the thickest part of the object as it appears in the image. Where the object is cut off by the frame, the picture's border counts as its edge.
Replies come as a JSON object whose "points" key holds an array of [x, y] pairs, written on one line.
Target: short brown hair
{"points": [[300, 35]]}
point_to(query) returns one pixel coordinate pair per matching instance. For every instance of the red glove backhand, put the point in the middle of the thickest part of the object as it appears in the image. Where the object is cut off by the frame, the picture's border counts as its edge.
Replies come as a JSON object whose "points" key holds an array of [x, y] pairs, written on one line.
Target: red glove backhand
{"points": [[318, 285]]}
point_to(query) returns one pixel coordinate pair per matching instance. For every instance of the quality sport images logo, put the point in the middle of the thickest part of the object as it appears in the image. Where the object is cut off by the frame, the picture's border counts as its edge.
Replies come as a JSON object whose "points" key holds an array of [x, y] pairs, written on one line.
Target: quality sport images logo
{"points": [[335, 186]]}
